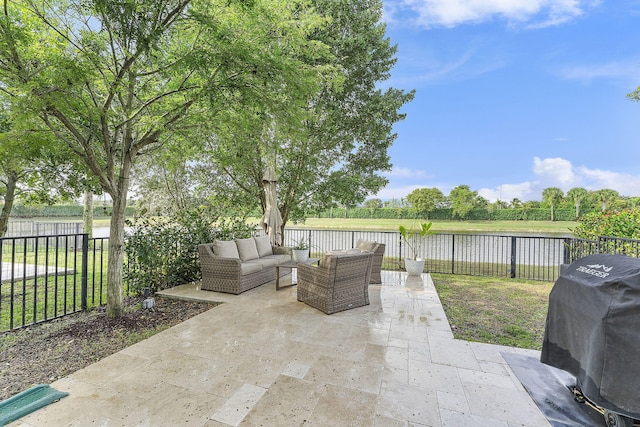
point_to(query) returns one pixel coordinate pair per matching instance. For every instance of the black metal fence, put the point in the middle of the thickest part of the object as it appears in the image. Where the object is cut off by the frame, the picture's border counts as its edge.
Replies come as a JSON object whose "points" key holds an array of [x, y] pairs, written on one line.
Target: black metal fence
{"points": [[522, 257], [47, 277]]}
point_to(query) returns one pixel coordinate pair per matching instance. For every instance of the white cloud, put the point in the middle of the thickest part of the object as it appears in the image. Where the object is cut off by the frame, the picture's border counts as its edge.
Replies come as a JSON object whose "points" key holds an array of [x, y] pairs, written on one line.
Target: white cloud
{"points": [[406, 173], [507, 192], [450, 13], [625, 184], [626, 70], [555, 172], [559, 172]]}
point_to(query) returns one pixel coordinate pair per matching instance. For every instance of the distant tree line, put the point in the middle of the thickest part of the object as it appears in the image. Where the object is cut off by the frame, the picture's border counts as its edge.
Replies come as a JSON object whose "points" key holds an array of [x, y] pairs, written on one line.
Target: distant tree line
{"points": [[462, 203]]}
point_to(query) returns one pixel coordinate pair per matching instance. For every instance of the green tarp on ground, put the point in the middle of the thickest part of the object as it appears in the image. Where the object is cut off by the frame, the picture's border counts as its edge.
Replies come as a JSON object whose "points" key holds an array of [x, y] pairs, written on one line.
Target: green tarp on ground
{"points": [[28, 401]]}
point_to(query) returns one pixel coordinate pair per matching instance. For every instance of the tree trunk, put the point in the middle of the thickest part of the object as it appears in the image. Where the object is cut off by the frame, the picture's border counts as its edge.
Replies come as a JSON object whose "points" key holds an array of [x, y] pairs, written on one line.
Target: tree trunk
{"points": [[116, 245], [552, 212], [577, 210], [9, 197], [87, 212]]}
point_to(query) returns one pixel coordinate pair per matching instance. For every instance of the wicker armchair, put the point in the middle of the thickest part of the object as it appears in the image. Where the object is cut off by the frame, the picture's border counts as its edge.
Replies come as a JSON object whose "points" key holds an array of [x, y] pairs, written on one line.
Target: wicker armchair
{"points": [[378, 255], [340, 282], [376, 264]]}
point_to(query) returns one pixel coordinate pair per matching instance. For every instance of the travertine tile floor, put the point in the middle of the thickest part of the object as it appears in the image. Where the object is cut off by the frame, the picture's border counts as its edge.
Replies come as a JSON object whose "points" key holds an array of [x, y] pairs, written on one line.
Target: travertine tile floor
{"points": [[264, 359]]}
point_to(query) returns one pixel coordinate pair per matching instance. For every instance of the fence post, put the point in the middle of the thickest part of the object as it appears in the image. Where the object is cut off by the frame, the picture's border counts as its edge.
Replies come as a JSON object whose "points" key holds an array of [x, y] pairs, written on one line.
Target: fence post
{"points": [[453, 254], [567, 252], [514, 247], [400, 251], [85, 267]]}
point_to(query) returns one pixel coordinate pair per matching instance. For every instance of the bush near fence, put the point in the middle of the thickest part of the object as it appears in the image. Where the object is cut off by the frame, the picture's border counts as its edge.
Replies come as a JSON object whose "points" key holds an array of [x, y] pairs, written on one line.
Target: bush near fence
{"points": [[538, 214], [39, 211]]}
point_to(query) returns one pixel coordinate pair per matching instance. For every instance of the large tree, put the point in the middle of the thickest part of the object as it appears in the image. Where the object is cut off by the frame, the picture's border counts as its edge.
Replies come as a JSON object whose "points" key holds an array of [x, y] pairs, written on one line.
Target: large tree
{"points": [[605, 197], [332, 151], [424, 200], [114, 79], [577, 195], [553, 196], [30, 169], [462, 200]]}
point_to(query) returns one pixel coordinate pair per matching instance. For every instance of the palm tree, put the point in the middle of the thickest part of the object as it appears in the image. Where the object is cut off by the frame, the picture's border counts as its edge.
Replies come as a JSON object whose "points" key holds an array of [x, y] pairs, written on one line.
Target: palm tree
{"points": [[605, 196], [576, 195], [553, 196]]}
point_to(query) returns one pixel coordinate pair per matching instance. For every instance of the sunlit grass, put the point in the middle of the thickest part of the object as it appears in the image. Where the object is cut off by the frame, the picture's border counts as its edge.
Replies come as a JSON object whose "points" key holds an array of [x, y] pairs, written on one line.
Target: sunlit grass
{"points": [[509, 312]]}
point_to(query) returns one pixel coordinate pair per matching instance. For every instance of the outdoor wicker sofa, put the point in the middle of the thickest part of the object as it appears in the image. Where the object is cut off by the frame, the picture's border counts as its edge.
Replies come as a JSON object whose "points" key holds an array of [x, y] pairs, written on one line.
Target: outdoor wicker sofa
{"points": [[340, 282], [235, 266]]}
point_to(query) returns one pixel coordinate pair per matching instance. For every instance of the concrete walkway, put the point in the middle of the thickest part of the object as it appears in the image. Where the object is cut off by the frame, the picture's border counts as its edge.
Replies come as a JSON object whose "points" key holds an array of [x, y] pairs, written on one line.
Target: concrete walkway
{"points": [[265, 359]]}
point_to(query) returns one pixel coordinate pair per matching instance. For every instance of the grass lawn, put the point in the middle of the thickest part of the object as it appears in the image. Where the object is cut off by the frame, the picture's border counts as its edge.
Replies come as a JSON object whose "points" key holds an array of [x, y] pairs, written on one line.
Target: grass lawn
{"points": [[496, 311], [543, 227]]}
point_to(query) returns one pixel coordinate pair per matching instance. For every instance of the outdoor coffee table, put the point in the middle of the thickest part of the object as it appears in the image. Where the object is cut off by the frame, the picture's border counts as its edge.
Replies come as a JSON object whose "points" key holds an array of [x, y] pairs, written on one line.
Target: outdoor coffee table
{"points": [[291, 265]]}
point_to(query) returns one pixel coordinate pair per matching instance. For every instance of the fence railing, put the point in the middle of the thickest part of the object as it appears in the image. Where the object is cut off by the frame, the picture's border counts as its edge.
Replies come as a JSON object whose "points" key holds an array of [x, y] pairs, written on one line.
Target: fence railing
{"points": [[522, 257], [47, 277], [40, 228]]}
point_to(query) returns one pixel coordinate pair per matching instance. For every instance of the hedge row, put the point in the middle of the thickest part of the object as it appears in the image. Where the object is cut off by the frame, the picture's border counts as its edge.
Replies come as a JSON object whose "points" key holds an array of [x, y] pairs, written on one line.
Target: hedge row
{"points": [[537, 214], [35, 211]]}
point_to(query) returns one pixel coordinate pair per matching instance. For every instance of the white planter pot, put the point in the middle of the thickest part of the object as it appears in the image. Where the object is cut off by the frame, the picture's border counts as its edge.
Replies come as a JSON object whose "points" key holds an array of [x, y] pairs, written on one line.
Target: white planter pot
{"points": [[300, 255], [414, 267]]}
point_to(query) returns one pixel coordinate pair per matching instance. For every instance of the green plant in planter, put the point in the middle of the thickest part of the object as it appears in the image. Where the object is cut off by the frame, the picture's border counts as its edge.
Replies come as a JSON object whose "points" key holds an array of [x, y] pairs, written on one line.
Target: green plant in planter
{"points": [[414, 237], [301, 245]]}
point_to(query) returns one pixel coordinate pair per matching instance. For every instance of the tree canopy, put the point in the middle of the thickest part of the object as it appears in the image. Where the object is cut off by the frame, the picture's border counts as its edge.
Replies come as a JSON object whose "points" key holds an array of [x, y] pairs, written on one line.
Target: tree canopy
{"points": [[114, 80], [424, 200], [331, 150]]}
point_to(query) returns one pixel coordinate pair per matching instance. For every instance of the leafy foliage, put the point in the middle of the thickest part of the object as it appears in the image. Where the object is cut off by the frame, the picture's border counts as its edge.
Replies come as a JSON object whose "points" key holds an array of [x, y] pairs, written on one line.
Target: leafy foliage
{"points": [[114, 80], [163, 252], [331, 150], [424, 200], [414, 237], [625, 223]]}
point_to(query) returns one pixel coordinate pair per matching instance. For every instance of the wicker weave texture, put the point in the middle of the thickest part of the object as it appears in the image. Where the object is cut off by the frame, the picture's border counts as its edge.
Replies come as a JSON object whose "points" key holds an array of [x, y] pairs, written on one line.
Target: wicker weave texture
{"points": [[223, 274], [339, 283]]}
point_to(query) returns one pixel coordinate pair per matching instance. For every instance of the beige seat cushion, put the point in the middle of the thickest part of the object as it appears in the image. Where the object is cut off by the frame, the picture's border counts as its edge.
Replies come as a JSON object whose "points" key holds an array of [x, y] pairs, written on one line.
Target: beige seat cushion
{"points": [[248, 267], [263, 244], [247, 249], [267, 262], [365, 245], [226, 249], [280, 258]]}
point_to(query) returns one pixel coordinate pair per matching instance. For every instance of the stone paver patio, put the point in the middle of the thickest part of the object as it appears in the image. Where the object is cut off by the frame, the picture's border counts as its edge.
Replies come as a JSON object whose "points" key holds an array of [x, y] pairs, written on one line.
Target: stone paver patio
{"points": [[264, 359]]}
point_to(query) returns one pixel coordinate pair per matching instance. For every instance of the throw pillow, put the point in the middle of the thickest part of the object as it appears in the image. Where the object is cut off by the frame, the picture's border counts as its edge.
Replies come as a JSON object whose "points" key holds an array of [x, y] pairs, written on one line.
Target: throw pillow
{"points": [[226, 249], [247, 249], [263, 244], [365, 245]]}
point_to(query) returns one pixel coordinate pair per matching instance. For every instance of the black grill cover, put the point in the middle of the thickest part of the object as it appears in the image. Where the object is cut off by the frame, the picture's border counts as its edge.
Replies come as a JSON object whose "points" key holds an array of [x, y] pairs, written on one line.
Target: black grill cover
{"points": [[593, 330]]}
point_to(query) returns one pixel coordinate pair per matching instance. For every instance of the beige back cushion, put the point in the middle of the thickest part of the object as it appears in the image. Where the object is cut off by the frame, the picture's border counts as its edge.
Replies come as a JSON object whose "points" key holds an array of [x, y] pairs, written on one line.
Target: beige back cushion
{"points": [[247, 249], [365, 245], [226, 249], [263, 244]]}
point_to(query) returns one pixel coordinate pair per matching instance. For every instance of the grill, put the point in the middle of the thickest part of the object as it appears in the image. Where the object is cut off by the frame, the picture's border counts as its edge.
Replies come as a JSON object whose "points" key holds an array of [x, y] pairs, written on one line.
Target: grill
{"points": [[593, 332]]}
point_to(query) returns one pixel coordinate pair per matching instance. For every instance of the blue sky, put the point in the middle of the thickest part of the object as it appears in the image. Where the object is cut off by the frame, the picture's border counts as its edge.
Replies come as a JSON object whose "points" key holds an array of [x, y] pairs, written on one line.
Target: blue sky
{"points": [[513, 96]]}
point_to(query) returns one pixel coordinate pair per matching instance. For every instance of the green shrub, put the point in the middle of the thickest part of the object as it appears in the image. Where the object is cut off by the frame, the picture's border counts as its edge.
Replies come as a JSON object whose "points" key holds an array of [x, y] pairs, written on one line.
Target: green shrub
{"points": [[163, 252], [625, 223]]}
